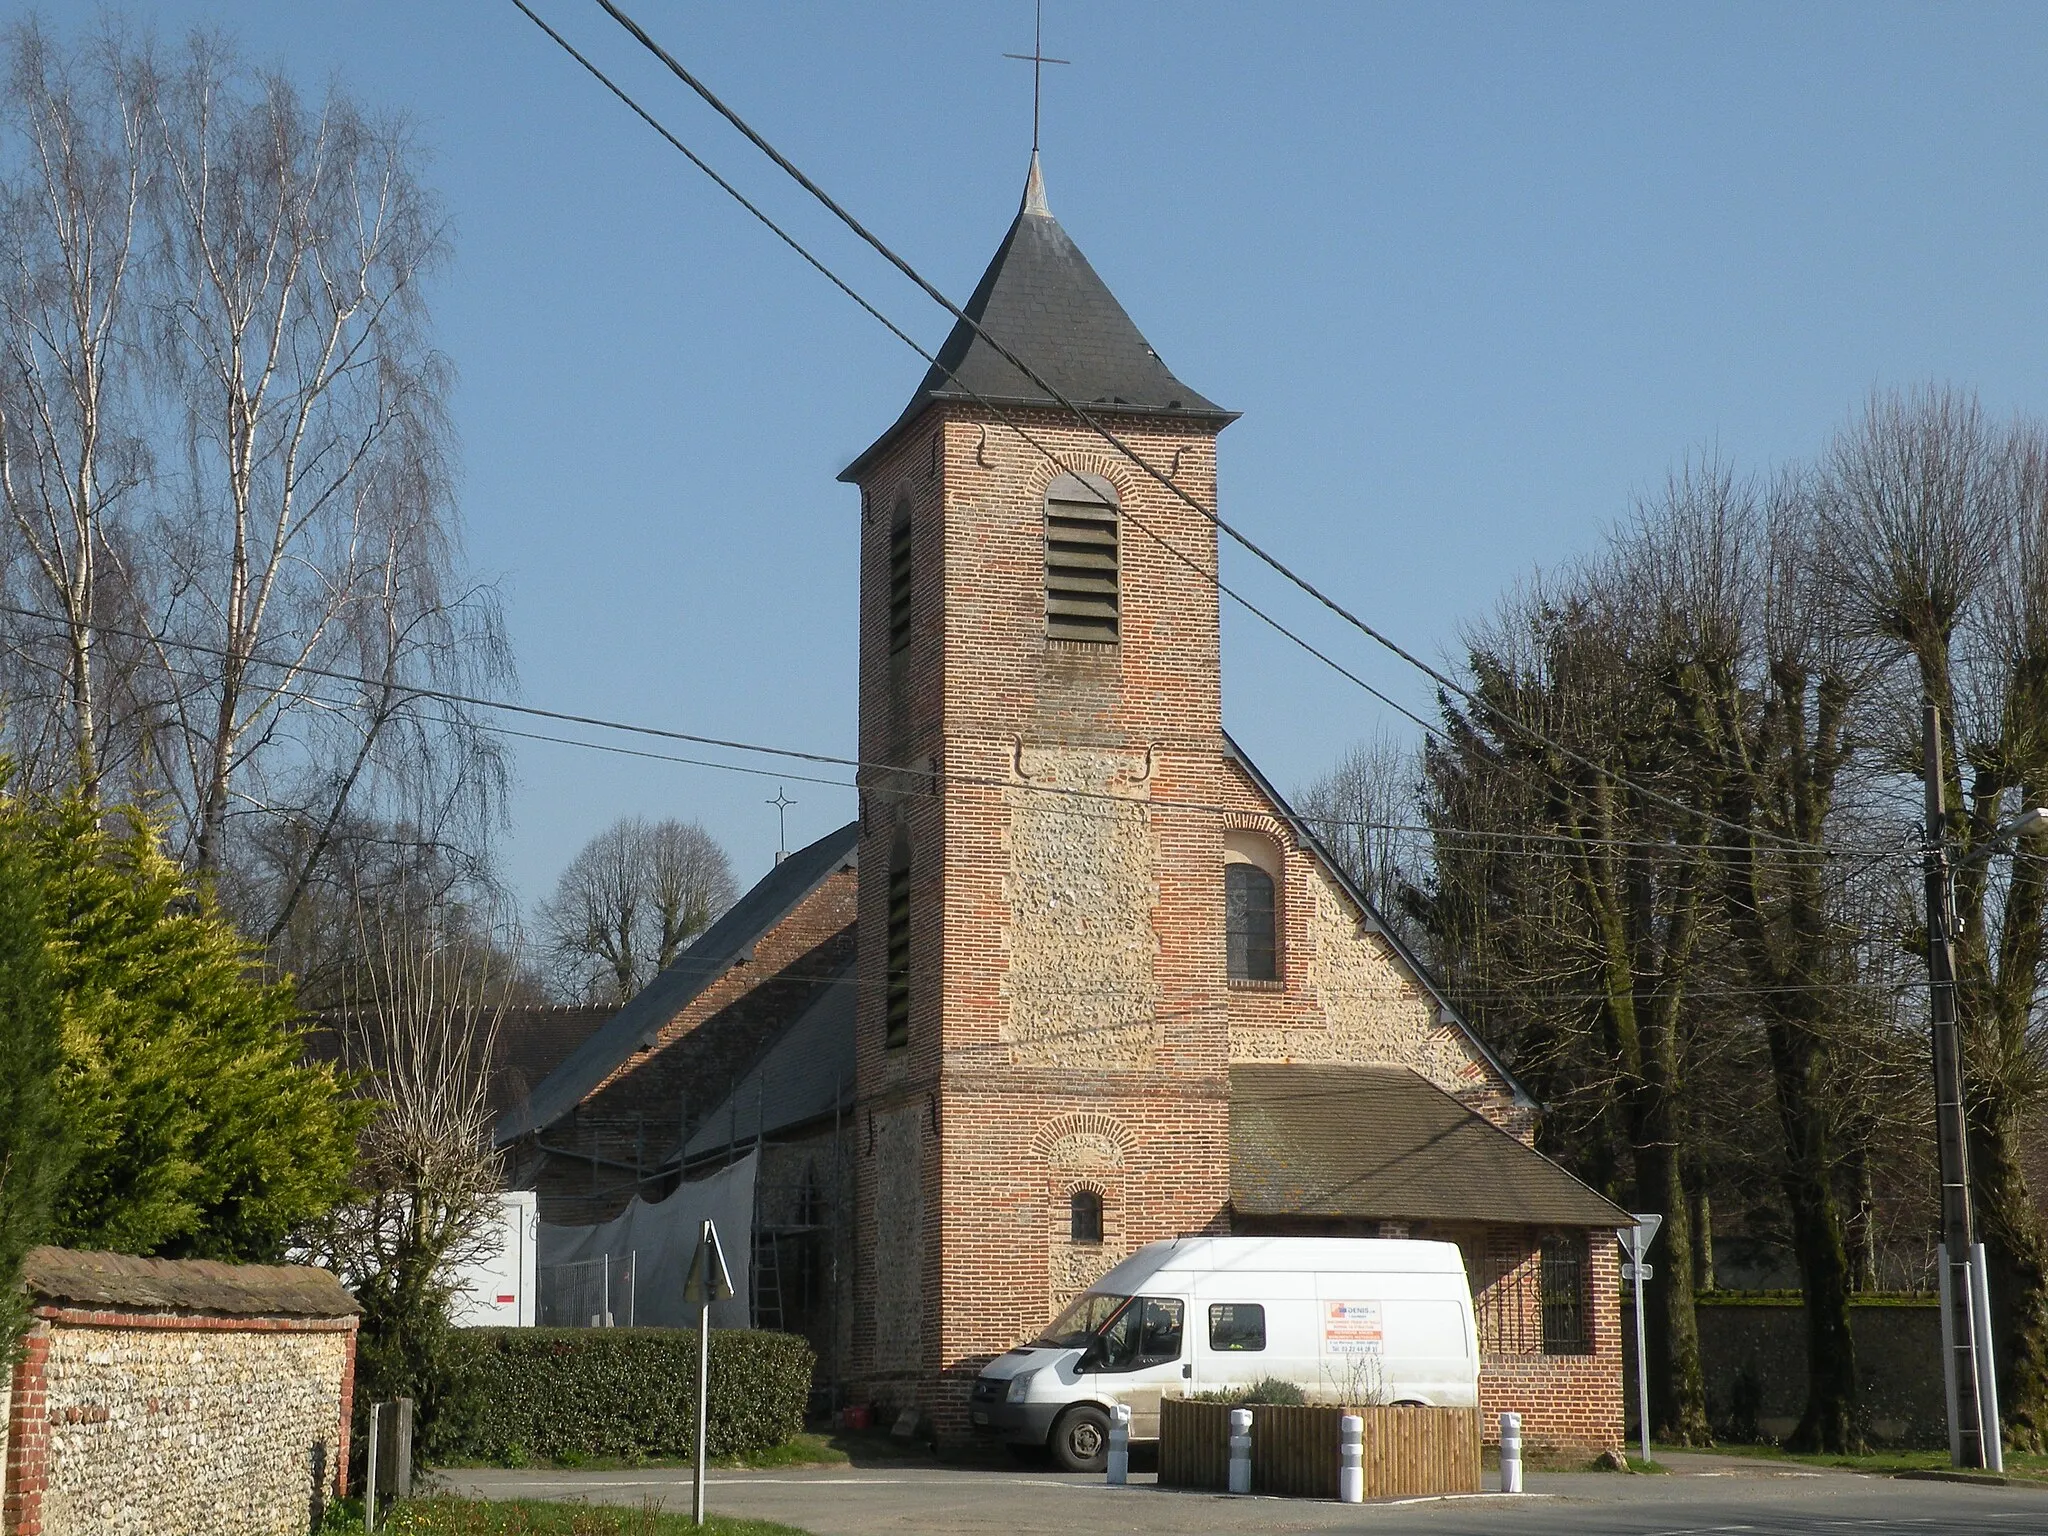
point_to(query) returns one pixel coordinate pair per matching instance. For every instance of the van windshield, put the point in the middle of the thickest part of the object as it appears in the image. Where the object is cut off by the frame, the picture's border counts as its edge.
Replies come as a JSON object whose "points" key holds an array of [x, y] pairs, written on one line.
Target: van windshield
{"points": [[1083, 1319]]}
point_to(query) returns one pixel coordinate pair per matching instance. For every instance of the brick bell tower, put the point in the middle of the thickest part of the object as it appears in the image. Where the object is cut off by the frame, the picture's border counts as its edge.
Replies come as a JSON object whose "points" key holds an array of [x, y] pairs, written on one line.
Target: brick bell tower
{"points": [[1042, 1053]]}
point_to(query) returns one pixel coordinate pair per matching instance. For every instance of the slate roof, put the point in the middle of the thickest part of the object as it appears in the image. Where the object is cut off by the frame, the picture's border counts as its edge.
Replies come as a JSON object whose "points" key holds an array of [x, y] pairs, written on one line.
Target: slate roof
{"points": [[530, 1042], [803, 1076], [1383, 1142], [722, 945], [183, 1285], [1306, 836], [1042, 300]]}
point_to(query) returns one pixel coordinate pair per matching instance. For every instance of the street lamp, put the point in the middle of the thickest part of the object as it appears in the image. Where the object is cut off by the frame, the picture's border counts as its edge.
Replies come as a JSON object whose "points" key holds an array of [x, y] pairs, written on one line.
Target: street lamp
{"points": [[1968, 1375]]}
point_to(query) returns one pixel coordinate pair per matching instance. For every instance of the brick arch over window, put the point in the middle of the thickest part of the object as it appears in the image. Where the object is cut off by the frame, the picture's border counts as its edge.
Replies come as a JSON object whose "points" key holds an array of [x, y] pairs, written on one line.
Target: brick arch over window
{"points": [[1088, 1124]]}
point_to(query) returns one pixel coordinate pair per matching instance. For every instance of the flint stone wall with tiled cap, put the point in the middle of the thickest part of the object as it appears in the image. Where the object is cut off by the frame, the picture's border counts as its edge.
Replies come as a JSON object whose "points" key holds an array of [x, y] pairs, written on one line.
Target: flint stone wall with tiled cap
{"points": [[177, 1398]]}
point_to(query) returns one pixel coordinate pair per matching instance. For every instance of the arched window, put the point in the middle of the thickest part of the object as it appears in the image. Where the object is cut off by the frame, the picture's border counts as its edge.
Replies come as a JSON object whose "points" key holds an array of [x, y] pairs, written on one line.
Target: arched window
{"points": [[1084, 1217], [896, 1015], [899, 577], [1081, 559], [1248, 912]]}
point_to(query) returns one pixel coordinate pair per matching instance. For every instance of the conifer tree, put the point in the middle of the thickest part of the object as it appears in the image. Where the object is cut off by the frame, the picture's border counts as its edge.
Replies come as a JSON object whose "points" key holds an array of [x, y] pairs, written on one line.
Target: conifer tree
{"points": [[34, 1150], [199, 1129]]}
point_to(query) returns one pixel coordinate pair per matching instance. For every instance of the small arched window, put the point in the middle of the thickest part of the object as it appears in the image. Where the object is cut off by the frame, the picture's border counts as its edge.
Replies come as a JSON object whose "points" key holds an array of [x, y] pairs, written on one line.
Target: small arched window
{"points": [[899, 577], [1248, 911], [1084, 1217], [896, 991], [1081, 559]]}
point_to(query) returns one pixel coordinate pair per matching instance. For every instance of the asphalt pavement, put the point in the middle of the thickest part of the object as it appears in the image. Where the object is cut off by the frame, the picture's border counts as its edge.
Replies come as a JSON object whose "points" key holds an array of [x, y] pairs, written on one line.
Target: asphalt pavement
{"points": [[1705, 1496]]}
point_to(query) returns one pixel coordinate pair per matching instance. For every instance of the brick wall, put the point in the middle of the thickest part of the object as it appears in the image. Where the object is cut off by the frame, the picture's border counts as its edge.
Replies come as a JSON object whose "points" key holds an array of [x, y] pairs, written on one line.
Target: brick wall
{"points": [[176, 1424], [1569, 1403], [1066, 808]]}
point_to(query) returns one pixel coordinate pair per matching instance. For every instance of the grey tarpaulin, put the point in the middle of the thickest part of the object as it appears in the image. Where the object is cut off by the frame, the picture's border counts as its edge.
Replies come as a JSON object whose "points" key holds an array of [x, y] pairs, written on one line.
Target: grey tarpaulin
{"points": [[664, 1235]]}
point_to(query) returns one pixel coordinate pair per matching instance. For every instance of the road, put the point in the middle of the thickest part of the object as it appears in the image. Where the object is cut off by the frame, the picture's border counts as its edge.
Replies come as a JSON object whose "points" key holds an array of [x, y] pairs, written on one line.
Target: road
{"points": [[1707, 1497]]}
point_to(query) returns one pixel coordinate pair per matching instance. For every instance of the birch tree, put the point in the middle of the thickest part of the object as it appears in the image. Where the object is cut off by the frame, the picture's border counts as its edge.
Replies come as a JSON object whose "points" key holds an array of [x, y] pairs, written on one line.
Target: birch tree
{"points": [[311, 532], [72, 459]]}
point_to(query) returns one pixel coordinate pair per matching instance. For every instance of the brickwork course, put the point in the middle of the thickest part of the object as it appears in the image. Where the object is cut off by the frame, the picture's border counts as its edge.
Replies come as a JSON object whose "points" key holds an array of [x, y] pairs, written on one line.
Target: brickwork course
{"points": [[177, 1398]]}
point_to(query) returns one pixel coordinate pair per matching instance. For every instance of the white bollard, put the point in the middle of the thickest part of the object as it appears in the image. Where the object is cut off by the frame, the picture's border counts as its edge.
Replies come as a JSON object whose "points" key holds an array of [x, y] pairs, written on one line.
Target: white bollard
{"points": [[1511, 1453], [1119, 1445], [1351, 1461], [1240, 1450]]}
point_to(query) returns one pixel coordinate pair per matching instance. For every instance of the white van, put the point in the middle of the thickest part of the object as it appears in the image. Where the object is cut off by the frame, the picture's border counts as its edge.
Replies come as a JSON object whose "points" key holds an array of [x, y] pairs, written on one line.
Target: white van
{"points": [[1346, 1319]]}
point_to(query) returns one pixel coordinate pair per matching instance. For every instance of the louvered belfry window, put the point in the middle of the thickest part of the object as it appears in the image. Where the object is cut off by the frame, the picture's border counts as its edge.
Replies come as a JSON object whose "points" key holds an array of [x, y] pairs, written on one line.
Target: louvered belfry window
{"points": [[899, 578], [1081, 560], [896, 1014]]}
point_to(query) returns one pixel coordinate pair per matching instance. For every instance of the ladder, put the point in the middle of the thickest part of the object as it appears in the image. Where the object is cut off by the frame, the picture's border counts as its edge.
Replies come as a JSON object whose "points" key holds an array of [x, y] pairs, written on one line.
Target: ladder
{"points": [[767, 1281]]}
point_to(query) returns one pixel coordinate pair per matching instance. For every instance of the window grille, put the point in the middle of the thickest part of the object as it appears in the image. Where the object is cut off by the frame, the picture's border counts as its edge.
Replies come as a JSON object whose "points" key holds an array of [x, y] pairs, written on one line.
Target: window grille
{"points": [[896, 1030], [1084, 1217], [1565, 1330], [899, 579], [1248, 923], [1080, 563]]}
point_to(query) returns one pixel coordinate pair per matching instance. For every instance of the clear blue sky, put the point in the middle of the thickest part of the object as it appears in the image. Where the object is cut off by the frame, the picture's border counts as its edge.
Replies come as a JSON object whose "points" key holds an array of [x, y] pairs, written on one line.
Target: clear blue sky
{"points": [[1475, 274]]}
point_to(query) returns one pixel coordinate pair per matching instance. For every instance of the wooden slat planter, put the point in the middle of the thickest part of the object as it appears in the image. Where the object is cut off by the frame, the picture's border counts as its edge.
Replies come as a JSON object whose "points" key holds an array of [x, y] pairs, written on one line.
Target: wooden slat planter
{"points": [[1295, 1450]]}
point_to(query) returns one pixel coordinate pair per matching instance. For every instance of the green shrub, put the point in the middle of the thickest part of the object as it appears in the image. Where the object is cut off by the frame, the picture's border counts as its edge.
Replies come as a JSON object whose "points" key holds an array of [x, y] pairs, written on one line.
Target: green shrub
{"points": [[558, 1394], [1271, 1391]]}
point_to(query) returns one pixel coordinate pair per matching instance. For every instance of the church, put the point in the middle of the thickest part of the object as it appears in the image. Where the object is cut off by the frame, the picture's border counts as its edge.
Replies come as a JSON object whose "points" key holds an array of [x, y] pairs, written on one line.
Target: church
{"points": [[1078, 978]]}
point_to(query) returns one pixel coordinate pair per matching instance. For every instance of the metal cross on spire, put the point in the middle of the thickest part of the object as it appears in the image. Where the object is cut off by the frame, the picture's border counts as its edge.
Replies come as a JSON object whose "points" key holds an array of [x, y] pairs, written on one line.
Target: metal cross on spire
{"points": [[782, 803], [1037, 60]]}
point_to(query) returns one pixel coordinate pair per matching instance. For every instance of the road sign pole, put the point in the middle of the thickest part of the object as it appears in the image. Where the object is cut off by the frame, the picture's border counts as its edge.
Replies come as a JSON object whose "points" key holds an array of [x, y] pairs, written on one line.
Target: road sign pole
{"points": [[703, 1403], [708, 1281], [1642, 1366], [1637, 1240]]}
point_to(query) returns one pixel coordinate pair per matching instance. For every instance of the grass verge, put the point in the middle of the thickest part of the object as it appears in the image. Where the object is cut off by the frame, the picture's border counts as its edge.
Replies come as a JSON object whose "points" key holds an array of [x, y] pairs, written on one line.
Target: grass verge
{"points": [[526, 1517], [2020, 1464]]}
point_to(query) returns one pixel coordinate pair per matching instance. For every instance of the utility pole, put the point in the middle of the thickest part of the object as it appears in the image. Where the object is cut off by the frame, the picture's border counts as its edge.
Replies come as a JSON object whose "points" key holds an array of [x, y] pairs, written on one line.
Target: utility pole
{"points": [[1960, 1278]]}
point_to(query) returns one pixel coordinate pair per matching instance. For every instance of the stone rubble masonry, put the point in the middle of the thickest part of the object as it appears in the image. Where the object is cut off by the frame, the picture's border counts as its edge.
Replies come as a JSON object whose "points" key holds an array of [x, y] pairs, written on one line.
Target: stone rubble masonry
{"points": [[158, 1397], [176, 1424], [1065, 808]]}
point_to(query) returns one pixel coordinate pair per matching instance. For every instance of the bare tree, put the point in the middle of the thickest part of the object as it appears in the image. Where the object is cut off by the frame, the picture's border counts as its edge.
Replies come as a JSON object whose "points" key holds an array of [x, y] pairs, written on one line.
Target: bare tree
{"points": [[629, 902], [72, 213], [422, 1034], [1364, 810], [312, 531], [232, 552], [1938, 527]]}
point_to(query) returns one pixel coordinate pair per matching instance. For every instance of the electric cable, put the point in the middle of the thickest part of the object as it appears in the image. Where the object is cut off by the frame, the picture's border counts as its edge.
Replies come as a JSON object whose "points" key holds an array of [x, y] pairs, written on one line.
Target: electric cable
{"points": [[1441, 679], [1243, 540]]}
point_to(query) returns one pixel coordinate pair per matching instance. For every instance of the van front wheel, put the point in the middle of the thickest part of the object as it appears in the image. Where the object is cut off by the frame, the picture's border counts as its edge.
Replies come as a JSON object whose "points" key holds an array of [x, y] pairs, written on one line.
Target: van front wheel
{"points": [[1080, 1440]]}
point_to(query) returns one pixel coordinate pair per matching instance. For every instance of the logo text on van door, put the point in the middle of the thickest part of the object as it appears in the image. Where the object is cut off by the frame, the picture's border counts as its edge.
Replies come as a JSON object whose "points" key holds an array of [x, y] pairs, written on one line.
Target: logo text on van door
{"points": [[1352, 1328]]}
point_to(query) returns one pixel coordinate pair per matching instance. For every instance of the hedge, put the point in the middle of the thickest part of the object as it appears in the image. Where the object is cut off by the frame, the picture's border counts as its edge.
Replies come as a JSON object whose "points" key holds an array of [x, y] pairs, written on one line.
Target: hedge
{"points": [[628, 1393]]}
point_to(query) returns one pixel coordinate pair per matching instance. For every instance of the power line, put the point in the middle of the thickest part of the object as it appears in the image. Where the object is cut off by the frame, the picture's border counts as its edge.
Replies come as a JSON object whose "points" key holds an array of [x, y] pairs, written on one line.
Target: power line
{"points": [[441, 695], [1003, 416], [1243, 540]]}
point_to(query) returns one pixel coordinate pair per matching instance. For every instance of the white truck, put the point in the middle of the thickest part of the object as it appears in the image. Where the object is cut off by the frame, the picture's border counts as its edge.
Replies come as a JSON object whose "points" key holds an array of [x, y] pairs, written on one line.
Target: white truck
{"points": [[1345, 1319]]}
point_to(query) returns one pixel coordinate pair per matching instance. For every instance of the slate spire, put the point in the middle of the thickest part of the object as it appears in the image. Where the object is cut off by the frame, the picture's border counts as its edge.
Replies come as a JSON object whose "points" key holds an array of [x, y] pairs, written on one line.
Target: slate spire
{"points": [[1043, 301]]}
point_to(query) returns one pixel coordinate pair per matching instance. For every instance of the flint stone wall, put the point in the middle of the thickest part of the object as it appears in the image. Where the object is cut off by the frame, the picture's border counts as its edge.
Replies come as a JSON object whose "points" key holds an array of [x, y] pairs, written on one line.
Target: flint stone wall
{"points": [[163, 1421]]}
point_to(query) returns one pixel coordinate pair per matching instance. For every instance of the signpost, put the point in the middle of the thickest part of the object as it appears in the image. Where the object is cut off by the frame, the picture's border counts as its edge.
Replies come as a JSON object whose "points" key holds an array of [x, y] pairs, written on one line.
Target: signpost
{"points": [[708, 1281], [1636, 1242]]}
